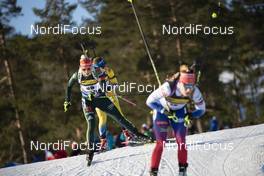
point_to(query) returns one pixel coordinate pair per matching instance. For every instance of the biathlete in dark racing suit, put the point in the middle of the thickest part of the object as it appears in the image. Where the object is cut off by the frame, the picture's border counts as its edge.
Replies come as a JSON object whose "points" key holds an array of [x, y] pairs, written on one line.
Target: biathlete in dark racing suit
{"points": [[92, 87]]}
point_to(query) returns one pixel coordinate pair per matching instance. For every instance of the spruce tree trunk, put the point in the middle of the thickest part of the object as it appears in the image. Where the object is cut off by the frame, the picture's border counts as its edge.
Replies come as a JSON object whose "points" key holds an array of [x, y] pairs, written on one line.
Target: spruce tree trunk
{"points": [[13, 96], [238, 102], [65, 65], [157, 40], [174, 20]]}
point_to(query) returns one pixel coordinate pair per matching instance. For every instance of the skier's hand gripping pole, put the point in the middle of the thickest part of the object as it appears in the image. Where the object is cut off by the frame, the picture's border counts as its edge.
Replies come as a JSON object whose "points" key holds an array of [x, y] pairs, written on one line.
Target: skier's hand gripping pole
{"points": [[66, 105]]}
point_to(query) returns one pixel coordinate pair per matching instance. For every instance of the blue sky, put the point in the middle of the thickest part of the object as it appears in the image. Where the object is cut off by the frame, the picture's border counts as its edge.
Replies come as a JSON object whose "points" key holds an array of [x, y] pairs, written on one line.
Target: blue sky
{"points": [[22, 23]]}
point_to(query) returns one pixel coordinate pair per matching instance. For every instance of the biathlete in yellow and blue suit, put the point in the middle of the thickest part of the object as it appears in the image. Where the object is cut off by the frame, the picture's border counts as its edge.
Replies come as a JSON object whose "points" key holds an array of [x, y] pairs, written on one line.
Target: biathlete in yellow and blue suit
{"points": [[100, 63]]}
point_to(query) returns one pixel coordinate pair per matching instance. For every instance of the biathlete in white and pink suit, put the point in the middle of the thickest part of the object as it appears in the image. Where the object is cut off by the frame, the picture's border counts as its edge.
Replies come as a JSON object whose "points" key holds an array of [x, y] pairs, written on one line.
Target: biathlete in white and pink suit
{"points": [[169, 103]]}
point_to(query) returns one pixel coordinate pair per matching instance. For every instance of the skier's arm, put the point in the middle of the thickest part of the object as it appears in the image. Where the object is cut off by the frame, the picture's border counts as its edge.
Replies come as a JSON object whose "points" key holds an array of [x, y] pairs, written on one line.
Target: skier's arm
{"points": [[71, 82], [112, 78], [153, 100], [198, 103]]}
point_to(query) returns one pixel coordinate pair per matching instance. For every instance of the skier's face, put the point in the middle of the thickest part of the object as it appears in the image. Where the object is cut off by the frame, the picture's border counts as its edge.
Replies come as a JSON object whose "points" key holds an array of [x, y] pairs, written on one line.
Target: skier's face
{"points": [[86, 71], [186, 89], [98, 72], [186, 83]]}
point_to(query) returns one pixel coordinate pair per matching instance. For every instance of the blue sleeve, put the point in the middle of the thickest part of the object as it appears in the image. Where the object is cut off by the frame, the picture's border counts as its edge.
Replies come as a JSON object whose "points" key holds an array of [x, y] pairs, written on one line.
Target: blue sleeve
{"points": [[154, 98], [155, 106], [197, 113]]}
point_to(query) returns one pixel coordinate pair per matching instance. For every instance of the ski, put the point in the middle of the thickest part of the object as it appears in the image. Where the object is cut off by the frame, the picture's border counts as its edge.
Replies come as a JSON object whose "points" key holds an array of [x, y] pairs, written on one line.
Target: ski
{"points": [[134, 143], [89, 157], [100, 151], [89, 160]]}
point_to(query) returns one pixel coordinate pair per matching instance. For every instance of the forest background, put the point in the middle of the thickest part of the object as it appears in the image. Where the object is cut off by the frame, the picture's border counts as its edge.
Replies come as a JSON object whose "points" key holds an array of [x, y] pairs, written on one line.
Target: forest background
{"points": [[34, 70]]}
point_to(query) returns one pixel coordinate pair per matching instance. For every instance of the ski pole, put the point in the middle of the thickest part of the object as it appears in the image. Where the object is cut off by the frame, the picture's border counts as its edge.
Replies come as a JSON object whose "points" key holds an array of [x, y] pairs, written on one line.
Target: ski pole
{"points": [[198, 77], [84, 51], [94, 52], [198, 74], [126, 100], [130, 102], [145, 42], [92, 46], [122, 98]]}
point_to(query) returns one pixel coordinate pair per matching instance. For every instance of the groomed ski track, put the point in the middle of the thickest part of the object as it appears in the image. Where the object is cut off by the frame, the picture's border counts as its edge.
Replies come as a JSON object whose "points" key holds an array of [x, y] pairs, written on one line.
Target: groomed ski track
{"points": [[236, 152]]}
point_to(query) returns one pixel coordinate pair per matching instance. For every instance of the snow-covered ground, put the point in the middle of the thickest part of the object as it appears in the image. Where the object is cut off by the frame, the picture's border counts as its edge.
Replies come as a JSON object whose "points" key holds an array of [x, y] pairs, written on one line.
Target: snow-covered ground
{"points": [[231, 152]]}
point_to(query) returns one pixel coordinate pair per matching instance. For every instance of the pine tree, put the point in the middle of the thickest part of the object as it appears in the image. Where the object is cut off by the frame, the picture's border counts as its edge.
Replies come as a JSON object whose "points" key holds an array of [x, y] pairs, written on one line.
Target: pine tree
{"points": [[55, 13], [8, 10]]}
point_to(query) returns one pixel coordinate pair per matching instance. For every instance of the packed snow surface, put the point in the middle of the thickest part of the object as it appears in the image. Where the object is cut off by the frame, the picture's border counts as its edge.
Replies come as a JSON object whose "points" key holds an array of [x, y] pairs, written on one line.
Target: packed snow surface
{"points": [[230, 152]]}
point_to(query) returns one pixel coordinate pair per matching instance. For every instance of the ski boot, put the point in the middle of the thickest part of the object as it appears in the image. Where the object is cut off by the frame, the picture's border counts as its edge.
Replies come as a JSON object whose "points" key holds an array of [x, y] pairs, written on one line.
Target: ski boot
{"points": [[143, 138], [183, 169], [153, 172], [139, 139], [89, 157], [127, 134]]}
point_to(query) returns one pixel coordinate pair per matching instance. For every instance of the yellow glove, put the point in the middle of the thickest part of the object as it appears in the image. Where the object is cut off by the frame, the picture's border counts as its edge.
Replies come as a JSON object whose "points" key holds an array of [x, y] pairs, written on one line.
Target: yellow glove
{"points": [[187, 120], [171, 115], [67, 104]]}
